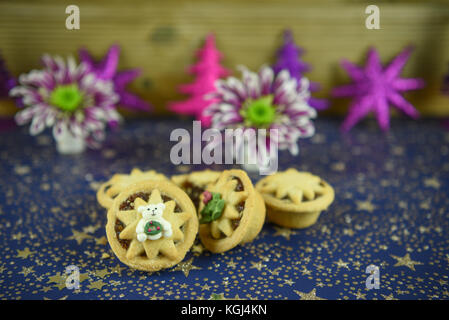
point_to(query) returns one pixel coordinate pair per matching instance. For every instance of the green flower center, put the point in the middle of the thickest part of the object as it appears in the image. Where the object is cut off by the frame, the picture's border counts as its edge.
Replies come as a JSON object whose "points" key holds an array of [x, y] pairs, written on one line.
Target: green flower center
{"points": [[66, 97], [260, 112]]}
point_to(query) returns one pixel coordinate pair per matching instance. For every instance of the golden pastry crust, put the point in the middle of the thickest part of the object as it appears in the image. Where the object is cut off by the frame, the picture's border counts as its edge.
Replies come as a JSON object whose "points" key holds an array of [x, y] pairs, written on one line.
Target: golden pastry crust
{"points": [[242, 217], [119, 182], [195, 183], [295, 199], [125, 215]]}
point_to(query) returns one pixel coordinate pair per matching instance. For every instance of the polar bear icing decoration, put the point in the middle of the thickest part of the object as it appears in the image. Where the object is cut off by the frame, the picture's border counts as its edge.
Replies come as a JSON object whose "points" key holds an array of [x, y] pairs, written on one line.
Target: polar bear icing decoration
{"points": [[152, 213]]}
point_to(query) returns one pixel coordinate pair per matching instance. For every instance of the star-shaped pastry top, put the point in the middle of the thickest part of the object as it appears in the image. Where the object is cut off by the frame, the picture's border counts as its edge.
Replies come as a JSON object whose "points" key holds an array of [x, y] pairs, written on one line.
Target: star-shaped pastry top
{"points": [[120, 182], [406, 261], [151, 248], [297, 186], [227, 189], [374, 88]]}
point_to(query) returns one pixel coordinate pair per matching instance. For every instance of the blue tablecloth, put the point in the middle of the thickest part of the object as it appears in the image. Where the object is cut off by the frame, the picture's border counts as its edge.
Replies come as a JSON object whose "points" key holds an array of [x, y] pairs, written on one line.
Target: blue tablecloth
{"points": [[390, 211]]}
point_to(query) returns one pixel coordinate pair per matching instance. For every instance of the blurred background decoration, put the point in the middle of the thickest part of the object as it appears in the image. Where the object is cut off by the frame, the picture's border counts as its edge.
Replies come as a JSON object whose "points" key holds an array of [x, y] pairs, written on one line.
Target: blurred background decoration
{"points": [[160, 37]]}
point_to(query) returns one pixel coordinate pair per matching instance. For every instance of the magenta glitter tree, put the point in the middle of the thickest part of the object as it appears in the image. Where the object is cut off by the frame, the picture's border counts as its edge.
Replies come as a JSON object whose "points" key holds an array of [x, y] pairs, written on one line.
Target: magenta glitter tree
{"points": [[207, 70], [374, 88], [445, 90], [288, 58], [7, 82], [445, 87], [106, 69]]}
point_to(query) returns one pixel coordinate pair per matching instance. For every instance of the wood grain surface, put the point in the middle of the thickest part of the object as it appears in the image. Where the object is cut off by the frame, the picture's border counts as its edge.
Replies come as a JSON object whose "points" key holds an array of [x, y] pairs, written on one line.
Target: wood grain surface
{"points": [[161, 37]]}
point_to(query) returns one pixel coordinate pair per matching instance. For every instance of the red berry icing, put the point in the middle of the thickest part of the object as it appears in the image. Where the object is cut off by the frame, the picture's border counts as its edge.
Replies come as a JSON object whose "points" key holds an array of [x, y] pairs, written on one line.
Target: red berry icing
{"points": [[207, 196]]}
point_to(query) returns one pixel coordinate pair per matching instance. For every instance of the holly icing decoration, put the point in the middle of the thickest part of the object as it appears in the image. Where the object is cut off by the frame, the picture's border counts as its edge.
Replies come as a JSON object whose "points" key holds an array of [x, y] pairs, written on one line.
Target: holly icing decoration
{"points": [[152, 228], [213, 208]]}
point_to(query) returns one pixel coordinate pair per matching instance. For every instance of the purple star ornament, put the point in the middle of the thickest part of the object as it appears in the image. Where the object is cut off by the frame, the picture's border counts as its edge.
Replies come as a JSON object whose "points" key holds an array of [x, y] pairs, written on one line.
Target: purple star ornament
{"points": [[106, 69], [374, 88]]}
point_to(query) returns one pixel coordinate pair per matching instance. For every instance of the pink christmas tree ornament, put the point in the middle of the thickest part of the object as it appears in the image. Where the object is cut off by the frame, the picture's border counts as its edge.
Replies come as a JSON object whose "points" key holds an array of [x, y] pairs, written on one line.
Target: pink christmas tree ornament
{"points": [[374, 88], [207, 71]]}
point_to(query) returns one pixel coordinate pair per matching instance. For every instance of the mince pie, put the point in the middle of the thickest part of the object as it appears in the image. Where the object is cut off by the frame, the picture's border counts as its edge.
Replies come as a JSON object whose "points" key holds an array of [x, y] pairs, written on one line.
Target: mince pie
{"points": [[194, 183], [231, 212], [151, 225], [295, 199], [119, 182]]}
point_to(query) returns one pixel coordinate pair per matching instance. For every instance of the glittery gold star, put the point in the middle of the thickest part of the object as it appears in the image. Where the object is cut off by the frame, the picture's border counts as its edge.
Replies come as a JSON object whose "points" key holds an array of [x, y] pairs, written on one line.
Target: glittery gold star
{"points": [[365, 206], [117, 269], [405, 261], [217, 296], [289, 282], [308, 296], [275, 272], [389, 297], [91, 229], [442, 282], [186, 267], [18, 236], [101, 241], [432, 182], [360, 295], [24, 253], [304, 271], [96, 285], [27, 270], [257, 265], [57, 278], [284, 232], [231, 264], [205, 287], [101, 273], [79, 236], [46, 289], [341, 264]]}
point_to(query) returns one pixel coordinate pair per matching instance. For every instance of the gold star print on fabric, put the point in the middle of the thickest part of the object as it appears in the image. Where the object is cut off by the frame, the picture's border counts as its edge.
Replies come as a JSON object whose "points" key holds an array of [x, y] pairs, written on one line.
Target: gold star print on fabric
{"points": [[406, 261], [79, 236], [24, 253], [185, 267], [152, 248], [294, 185], [308, 296], [226, 188]]}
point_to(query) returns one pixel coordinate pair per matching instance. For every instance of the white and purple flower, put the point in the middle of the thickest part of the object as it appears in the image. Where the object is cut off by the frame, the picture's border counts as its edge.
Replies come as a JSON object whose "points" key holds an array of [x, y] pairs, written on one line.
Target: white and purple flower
{"points": [[67, 97], [265, 100]]}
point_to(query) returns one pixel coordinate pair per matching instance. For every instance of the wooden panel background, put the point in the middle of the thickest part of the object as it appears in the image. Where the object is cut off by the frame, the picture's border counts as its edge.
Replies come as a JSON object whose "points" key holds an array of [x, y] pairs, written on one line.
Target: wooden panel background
{"points": [[162, 36]]}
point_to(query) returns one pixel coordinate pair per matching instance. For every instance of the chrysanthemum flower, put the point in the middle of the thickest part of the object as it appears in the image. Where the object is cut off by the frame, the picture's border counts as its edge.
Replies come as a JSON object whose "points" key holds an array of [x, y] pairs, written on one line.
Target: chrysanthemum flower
{"points": [[68, 98], [265, 101]]}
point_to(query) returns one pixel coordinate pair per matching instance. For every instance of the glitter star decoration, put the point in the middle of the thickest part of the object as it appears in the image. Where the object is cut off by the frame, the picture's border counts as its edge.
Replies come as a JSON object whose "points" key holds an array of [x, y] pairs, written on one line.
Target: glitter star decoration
{"points": [[375, 88], [106, 69]]}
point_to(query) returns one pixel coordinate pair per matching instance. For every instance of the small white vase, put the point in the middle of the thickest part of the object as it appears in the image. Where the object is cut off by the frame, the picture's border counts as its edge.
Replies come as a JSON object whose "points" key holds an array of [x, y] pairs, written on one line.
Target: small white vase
{"points": [[258, 162], [67, 143]]}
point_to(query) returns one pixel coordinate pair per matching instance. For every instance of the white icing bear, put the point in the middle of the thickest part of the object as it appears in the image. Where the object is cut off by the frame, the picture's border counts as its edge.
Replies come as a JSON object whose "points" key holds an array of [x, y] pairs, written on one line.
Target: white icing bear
{"points": [[152, 212]]}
